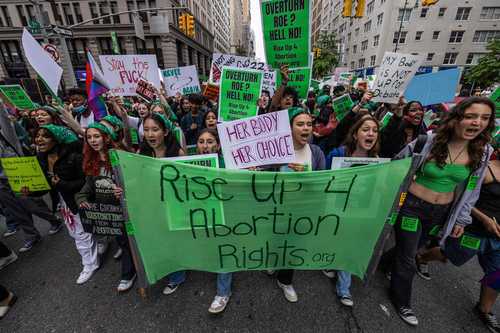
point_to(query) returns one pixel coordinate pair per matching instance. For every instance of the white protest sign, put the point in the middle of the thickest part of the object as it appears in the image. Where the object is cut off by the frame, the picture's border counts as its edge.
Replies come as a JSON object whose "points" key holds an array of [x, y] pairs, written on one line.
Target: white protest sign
{"points": [[122, 72], [269, 82], [42, 62], [347, 162], [183, 80], [394, 74], [220, 60], [255, 141]]}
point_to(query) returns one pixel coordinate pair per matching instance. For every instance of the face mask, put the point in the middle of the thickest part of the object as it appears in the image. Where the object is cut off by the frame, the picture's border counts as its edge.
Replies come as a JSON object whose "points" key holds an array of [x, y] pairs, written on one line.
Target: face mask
{"points": [[79, 109]]}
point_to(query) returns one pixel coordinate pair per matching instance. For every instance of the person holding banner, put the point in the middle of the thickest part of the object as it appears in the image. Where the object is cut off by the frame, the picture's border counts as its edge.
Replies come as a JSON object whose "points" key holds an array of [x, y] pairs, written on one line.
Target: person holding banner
{"points": [[447, 185], [60, 157]]}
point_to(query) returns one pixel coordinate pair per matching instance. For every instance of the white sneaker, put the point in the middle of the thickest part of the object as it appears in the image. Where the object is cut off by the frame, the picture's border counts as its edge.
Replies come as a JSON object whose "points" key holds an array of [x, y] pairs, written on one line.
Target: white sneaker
{"points": [[219, 304], [5, 261], [85, 276], [270, 272], [102, 247], [329, 273], [170, 288], [288, 291], [346, 301], [125, 285], [118, 253]]}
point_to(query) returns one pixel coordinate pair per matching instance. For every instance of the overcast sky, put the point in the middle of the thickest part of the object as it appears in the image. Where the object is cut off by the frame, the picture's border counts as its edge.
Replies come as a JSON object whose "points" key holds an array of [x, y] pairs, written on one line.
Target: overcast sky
{"points": [[257, 29]]}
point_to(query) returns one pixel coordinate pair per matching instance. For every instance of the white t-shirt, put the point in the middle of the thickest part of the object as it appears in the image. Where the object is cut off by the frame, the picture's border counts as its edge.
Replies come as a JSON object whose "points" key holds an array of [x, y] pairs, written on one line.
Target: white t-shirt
{"points": [[302, 156], [86, 121]]}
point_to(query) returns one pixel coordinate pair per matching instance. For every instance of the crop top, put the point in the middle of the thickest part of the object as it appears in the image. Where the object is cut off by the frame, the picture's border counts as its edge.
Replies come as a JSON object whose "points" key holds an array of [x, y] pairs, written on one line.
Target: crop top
{"points": [[444, 179]]}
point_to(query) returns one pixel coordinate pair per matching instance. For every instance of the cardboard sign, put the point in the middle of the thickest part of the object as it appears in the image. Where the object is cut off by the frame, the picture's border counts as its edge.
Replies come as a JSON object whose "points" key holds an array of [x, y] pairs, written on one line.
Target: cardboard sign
{"points": [[434, 88], [342, 105], [286, 27], [220, 60], [146, 90], [103, 219], [269, 82], [261, 140], [239, 92], [211, 91], [182, 80], [299, 79], [349, 162], [205, 160], [394, 74], [24, 172], [17, 96], [123, 72]]}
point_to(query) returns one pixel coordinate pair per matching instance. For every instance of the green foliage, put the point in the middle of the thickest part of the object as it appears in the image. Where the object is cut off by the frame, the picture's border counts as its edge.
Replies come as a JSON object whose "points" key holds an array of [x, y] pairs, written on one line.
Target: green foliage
{"points": [[328, 58], [487, 71]]}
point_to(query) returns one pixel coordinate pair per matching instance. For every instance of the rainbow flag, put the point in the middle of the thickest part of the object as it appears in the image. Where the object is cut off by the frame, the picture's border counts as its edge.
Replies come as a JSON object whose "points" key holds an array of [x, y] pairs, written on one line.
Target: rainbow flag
{"points": [[96, 86]]}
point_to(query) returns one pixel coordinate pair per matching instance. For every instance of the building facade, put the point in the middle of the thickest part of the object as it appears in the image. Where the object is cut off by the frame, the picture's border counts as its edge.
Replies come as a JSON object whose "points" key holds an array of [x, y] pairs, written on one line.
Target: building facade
{"points": [[451, 33], [222, 22], [171, 49], [236, 26]]}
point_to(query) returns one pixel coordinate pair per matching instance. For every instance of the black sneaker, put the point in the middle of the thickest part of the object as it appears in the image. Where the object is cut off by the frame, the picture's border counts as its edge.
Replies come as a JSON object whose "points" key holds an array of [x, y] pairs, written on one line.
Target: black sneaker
{"points": [[423, 271], [28, 245], [55, 229], [489, 319], [408, 316]]}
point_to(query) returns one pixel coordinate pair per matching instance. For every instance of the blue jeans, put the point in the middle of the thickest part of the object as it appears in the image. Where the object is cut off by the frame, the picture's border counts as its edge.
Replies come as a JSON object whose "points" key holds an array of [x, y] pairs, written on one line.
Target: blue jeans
{"points": [[343, 283], [176, 277], [224, 284]]}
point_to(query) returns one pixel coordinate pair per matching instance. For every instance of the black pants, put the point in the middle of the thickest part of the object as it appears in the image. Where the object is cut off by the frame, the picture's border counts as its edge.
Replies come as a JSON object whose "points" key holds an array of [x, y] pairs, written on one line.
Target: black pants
{"points": [[409, 241], [4, 252], [285, 276], [128, 268]]}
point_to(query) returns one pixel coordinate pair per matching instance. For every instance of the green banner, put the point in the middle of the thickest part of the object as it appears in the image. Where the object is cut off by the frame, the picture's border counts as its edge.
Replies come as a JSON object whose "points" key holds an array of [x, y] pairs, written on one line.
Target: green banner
{"points": [[286, 27], [114, 43], [17, 96], [495, 97], [342, 105], [219, 220], [239, 93], [299, 79]]}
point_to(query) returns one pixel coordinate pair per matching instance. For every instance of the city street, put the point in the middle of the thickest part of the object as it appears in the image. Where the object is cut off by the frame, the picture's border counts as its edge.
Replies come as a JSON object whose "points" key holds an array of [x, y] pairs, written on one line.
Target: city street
{"points": [[50, 300]]}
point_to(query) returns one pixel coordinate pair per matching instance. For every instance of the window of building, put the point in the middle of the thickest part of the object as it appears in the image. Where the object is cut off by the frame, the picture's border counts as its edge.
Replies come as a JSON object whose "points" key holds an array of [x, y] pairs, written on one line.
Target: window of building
{"points": [[490, 13], [352, 64], [485, 36], [131, 6], [349, 37], [354, 49], [93, 11], [430, 56], [368, 26], [418, 35], [401, 37], [462, 13], [450, 58], [404, 14], [180, 58], [10, 55], [435, 35], [57, 13], [6, 16], [382, 2], [22, 15], [380, 18], [78, 12], [114, 9], [442, 10], [361, 63], [473, 58], [104, 10], [376, 40], [423, 12], [152, 45], [356, 32], [470, 58], [364, 45], [369, 7], [30, 11], [68, 14], [372, 60], [77, 49], [456, 36], [347, 51]]}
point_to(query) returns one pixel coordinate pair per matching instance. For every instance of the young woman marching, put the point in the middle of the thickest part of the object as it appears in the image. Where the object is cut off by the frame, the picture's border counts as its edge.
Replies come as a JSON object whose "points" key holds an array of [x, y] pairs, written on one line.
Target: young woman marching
{"points": [[362, 141], [444, 191], [60, 157], [100, 187]]}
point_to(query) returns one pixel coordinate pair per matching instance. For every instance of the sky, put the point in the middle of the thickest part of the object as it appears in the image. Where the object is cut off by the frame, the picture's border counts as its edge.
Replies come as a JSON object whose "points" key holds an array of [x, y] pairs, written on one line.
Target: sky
{"points": [[257, 29]]}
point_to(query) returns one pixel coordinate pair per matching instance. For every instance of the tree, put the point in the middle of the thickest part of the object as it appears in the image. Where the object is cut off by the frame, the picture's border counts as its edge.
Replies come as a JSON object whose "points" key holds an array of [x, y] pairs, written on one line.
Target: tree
{"points": [[328, 56], [487, 71]]}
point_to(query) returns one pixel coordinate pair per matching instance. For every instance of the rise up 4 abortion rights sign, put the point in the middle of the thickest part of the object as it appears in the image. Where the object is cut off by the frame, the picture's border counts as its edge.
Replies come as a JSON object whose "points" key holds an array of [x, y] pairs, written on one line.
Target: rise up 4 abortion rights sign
{"points": [[266, 220]]}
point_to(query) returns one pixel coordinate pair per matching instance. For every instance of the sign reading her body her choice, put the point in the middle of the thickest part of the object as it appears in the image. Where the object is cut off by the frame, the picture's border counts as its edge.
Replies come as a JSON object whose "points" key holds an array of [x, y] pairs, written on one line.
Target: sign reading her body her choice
{"points": [[122, 72], [394, 74], [221, 60], [256, 141], [286, 28], [182, 80], [239, 92]]}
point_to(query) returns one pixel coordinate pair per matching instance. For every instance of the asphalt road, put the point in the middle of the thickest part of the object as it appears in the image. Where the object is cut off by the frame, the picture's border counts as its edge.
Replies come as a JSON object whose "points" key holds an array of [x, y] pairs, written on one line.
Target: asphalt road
{"points": [[50, 301]]}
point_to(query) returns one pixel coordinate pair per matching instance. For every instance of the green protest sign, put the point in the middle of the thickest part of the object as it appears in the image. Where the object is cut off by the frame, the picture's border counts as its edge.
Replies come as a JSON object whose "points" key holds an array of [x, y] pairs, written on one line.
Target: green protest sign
{"points": [[239, 93], [342, 105], [385, 120], [266, 220], [17, 96], [24, 172], [299, 79], [495, 97], [114, 43], [206, 160], [286, 28], [315, 84]]}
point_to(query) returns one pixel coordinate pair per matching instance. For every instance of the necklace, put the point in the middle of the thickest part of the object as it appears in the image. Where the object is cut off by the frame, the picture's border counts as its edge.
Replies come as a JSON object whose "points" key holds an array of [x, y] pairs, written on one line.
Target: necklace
{"points": [[452, 160]]}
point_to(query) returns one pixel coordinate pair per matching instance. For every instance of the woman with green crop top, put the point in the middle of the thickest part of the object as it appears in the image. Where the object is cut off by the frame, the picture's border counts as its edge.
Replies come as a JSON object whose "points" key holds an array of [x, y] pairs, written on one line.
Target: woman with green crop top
{"points": [[442, 192]]}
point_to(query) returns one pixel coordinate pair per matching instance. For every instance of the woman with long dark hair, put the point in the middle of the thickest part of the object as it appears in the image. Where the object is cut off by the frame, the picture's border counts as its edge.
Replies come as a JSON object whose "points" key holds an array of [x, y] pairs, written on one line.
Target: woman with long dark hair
{"points": [[446, 187]]}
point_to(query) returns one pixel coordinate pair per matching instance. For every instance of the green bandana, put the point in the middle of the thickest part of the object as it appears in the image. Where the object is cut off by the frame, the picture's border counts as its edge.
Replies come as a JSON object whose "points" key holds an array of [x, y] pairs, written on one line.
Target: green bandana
{"points": [[114, 120], [168, 124], [295, 111], [104, 129], [323, 100], [166, 108], [61, 133]]}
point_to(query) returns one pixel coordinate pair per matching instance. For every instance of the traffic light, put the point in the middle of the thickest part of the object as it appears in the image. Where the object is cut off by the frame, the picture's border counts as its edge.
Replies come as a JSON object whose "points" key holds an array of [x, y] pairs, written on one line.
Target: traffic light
{"points": [[183, 22], [190, 26], [347, 10], [426, 3], [317, 52], [360, 8]]}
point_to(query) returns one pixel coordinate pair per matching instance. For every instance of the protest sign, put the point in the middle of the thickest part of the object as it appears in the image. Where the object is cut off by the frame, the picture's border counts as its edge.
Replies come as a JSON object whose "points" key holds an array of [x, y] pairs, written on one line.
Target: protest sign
{"points": [[17, 96], [122, 72], [385, 120], [269, 82], [24, 172], [220, 60], [338, 70], [211, 91], [42, 62], [342, 105], [433, 88], [286, 27], [299, 79], [182, 80], [495, 97], [348, 162], [261, 140], [395, 72], [429, 118], [146, 90], [205, 160], [345, 78], [103, 219], [315, 84], [239, 92], [315, 220]]}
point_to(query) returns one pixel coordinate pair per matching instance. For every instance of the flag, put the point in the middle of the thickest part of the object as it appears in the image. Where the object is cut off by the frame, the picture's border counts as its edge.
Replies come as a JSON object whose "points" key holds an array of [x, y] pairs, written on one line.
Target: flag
{"points": [[96, 86]]}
